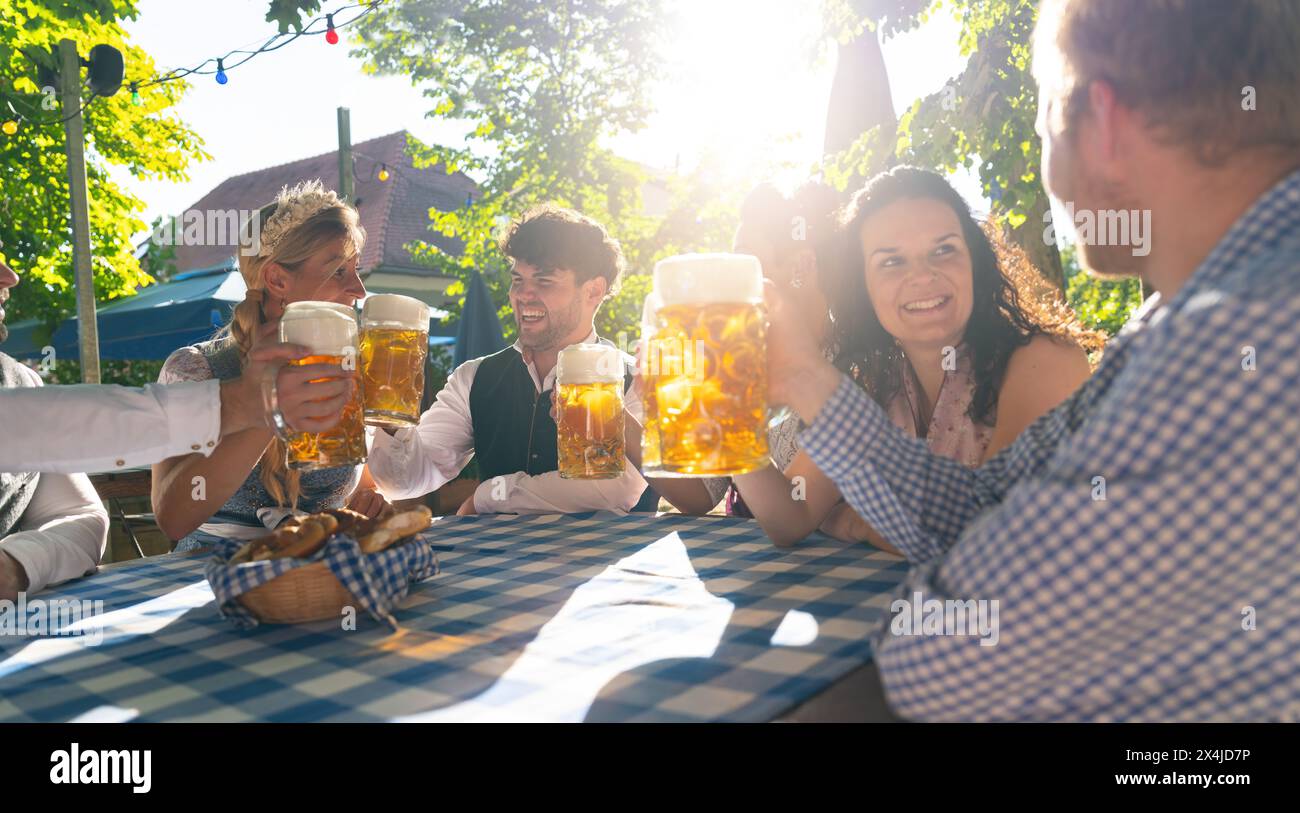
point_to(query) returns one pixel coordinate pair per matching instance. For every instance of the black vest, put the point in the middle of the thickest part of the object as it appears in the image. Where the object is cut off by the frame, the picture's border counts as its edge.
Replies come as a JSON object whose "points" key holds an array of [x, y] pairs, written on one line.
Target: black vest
{"points": [[513, 430]]}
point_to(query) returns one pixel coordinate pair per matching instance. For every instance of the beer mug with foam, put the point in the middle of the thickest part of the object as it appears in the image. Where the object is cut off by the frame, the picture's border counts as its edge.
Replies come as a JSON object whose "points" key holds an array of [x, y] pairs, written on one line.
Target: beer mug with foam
{"points": [[329, 331], [394, 343], [706, 366], [589, 412]]}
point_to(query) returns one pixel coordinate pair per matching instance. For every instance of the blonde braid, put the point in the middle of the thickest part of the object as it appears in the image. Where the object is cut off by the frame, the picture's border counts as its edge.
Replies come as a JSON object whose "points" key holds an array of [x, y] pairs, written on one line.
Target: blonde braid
{"points": [[281, 482]]}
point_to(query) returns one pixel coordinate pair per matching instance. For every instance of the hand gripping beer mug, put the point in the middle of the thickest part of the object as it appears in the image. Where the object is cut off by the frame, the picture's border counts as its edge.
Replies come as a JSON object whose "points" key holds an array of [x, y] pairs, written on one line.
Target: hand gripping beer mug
{"points": [[707, 365], [394, 343], [589, 412], [329, 330]]}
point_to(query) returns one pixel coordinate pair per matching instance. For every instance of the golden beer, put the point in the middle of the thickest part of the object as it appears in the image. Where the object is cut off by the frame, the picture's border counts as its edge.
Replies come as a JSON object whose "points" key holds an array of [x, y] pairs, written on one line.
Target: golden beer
{"points": [[329, 330], [706, 366], [394, 343], [650, 459], [589, 412]]}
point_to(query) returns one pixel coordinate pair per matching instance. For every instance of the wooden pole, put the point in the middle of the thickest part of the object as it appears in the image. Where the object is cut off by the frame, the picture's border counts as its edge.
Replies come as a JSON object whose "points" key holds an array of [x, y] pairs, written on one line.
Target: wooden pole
{"points": [[74, 127], [346, 180]]}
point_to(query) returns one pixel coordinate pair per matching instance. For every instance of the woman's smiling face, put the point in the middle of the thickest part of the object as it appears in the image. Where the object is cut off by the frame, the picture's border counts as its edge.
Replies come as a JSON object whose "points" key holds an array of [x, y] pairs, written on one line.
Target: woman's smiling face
{"points": [[918, 271], [331, 274]]}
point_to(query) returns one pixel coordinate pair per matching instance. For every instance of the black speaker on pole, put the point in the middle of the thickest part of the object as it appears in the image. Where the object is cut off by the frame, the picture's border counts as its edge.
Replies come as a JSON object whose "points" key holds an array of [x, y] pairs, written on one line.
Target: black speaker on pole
{"points": [[106, 70]]}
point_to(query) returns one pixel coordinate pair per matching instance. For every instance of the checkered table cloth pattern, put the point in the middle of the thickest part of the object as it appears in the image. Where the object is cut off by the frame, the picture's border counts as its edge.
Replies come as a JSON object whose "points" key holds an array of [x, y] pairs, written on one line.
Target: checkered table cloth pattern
{"points": [[557, 617]]}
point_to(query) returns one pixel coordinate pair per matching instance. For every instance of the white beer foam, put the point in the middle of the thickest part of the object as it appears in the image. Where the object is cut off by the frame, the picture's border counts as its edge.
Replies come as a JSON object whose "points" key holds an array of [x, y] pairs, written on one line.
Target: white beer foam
{"points": [[406, 311], [326, 328], [699, 279], [589, 364]]}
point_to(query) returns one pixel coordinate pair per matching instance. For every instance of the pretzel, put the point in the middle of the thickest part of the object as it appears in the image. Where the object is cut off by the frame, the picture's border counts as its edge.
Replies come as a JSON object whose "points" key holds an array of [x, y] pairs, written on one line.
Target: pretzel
{"points": [[302, 536], [348, 519], [398, 526], [299, 540]]}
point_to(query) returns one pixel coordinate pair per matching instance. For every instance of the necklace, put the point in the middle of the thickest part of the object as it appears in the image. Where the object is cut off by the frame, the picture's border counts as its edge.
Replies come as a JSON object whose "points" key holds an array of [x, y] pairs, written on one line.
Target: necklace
{"points": [[921, 426]]}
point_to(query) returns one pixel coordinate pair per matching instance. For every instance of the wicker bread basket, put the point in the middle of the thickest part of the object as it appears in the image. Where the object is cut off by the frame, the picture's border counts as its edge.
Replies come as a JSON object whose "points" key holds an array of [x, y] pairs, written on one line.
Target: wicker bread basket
{"points": [[308, 593]]}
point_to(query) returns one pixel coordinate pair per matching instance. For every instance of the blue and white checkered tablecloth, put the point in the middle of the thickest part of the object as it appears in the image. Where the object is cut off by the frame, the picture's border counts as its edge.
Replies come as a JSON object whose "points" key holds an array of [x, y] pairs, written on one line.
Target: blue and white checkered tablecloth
{"points": [[573, 617]]}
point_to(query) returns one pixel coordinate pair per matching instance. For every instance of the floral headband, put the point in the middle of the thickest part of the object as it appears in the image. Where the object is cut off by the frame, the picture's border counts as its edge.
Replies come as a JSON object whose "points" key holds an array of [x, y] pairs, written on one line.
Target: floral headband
{"points": [[293, 207]]}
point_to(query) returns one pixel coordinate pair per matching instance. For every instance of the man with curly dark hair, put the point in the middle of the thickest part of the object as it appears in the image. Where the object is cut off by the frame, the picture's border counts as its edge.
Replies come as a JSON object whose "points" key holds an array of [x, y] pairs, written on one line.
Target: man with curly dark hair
{"points": [[496, 409]]}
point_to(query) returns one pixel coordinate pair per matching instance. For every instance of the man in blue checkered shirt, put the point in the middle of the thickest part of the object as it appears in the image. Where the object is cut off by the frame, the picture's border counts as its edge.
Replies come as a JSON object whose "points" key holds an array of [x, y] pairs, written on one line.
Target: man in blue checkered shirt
{"points": [[1142, 540]]}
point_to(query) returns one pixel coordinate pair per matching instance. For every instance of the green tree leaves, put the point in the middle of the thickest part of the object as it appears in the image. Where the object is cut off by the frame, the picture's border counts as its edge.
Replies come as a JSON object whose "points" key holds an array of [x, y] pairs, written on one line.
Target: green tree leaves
{"points": [[34, 206], [288, 14], [981, 120], [539, 86]]}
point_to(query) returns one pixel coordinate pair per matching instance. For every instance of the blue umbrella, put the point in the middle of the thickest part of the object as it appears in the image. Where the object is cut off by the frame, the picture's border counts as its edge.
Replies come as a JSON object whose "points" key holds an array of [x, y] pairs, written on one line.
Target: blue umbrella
{"points": [[479, 333], [189, 309], [150, 325]]}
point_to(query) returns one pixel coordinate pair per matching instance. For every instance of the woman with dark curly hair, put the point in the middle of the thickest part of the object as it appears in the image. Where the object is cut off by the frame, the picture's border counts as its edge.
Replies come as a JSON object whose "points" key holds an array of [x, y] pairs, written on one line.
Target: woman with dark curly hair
{"points": [[954, 334]]}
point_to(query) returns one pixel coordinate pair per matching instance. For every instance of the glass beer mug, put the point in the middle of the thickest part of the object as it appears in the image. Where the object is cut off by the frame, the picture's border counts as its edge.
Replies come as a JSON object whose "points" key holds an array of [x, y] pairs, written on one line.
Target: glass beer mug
{"points": [[329, 330], [650, 458], [589, 412], [706, 367], [394, 343]]}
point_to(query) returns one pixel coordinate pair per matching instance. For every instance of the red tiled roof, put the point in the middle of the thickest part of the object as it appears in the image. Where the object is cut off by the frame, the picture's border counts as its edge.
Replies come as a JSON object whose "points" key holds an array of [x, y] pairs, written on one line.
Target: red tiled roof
{"points": [[393, 213]]}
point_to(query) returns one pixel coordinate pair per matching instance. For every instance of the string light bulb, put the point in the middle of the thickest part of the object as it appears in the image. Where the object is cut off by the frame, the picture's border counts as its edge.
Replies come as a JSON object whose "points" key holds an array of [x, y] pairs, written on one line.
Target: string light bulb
{"points": [[221, 73], [135, 95], [9, 127], [331, 36], [383, 173]]}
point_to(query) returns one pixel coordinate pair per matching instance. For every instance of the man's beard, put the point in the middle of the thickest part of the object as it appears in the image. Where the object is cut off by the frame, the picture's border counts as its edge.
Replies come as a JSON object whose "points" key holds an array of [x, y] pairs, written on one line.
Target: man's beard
{"points": [[1111, 262], [1106, 259], [4, 332], [560, 325]]}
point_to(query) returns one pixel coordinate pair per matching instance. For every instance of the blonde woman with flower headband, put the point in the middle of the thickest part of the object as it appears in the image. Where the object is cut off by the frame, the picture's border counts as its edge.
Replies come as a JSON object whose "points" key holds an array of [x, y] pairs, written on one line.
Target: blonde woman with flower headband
{"points": [[308, 243]]}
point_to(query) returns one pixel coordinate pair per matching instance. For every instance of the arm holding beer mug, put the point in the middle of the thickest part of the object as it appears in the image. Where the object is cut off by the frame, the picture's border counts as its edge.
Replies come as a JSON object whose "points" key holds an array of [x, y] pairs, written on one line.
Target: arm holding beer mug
{"points": [[798, 374], [790, 505], [310, 398], [118, 427], [412, 462]]}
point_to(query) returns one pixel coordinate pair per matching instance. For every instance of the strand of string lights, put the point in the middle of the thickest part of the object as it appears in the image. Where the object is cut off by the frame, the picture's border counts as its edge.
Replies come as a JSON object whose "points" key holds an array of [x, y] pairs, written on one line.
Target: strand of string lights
{"points": [[325, 25]]}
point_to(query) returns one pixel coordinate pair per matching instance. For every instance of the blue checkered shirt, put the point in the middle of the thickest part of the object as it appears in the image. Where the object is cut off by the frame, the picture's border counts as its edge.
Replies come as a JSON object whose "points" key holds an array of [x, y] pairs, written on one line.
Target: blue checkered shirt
{"points": [[1177, 596]]}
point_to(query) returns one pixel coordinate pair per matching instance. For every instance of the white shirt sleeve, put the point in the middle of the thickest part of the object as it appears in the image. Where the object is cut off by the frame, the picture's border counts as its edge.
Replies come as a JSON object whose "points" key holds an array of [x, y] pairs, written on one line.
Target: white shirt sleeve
{"points": [[416, 461], [90, 427], [550, 493], [62, 533]]}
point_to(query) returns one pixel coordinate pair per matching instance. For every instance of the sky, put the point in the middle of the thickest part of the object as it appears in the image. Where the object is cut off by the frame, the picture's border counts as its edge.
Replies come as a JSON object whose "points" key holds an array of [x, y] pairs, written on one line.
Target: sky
{"points": [[743, 80]]}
